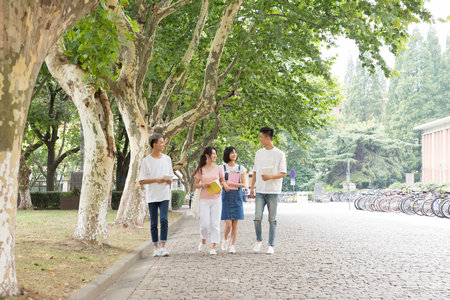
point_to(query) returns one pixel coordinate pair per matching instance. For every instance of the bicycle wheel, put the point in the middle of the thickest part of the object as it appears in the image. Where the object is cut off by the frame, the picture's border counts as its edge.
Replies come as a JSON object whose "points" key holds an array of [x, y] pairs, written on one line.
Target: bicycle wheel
{"points": [[417, 204], [407, 205], [445, 208], [435, 207], [426, 208]]}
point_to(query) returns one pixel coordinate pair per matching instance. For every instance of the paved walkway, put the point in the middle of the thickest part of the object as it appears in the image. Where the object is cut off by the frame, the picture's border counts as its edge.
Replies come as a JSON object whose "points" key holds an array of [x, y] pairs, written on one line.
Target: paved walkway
{"points": [[323, 251]]}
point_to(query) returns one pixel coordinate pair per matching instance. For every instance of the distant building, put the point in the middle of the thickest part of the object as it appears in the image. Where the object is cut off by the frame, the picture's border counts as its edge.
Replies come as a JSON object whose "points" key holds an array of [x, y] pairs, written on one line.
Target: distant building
{"points": [[435, 151], [338, 110]]}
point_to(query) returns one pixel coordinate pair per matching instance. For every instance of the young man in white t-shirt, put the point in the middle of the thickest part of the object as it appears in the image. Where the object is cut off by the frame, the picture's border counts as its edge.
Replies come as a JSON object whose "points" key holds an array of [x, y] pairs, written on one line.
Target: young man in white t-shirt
{"points": [[268, 173], [157, 173]]}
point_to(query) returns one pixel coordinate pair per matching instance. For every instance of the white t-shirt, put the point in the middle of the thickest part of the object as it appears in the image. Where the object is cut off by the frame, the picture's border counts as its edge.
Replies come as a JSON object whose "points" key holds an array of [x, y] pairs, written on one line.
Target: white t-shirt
{"points": [[234, 169], [275, 159], [152, 168]]}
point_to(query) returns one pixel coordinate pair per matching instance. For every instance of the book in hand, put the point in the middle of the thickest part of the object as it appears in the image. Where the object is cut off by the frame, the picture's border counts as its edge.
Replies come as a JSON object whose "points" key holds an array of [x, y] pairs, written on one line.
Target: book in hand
{"points": [[268, 171], [167, 177], [233, 177], [214, 187]]}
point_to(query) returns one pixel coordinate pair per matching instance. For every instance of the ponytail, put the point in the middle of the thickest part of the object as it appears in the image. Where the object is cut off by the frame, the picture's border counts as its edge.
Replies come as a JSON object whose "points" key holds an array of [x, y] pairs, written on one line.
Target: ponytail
{"points": [[203, 158]]}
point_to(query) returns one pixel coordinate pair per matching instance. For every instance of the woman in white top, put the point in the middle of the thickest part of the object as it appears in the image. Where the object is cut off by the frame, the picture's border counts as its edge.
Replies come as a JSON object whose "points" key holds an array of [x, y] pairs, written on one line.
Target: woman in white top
{"points": [[232, 200]]}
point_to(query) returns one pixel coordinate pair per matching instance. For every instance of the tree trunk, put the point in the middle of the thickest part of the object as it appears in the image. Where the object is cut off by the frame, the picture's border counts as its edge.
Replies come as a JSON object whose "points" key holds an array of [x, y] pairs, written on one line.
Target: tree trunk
{"points": [[96, 117], [128, 212], [27, 30], [24, 185]]}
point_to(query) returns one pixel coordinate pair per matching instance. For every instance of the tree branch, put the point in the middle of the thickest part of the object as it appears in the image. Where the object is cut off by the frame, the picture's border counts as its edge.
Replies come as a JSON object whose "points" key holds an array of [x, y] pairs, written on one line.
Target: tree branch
{"points": [[163, 13], [178, 73]]}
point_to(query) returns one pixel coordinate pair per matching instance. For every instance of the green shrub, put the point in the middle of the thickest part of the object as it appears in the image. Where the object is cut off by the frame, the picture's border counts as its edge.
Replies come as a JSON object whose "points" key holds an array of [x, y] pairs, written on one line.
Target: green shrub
{"points": [[45, 200], [115, 200], [178, 198]]}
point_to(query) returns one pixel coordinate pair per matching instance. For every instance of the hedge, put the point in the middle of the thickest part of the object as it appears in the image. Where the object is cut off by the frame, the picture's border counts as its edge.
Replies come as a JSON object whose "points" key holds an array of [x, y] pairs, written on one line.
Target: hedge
{"points": [[46, 200], [51, 200], [178, 198]]}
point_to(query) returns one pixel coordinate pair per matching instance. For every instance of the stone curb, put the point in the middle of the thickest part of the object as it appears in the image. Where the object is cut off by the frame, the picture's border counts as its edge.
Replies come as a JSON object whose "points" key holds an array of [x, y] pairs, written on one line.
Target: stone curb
{"points": [[104, 280]]}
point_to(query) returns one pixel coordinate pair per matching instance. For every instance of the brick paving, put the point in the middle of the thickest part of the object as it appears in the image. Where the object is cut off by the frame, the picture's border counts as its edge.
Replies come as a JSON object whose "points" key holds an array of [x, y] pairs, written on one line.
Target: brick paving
{"points": [[322, 251]]}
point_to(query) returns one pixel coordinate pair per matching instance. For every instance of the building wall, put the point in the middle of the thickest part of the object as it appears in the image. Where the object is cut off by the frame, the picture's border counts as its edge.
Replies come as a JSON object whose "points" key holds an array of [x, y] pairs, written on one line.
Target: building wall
{"points": [[436, 156]]}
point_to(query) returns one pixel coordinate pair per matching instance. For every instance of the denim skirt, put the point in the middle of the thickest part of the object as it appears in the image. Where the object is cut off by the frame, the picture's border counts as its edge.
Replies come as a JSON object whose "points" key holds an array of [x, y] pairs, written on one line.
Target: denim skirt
{"points": [[232, 205]]}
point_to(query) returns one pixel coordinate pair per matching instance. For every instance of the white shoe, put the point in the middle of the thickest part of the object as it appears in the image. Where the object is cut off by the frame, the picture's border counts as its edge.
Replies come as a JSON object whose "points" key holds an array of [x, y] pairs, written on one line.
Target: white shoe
{"points": [[212, 252], [270, 250], [164, 252], [156, 252], [225, 245], [257, 247], [200, 246], [232, 249]]}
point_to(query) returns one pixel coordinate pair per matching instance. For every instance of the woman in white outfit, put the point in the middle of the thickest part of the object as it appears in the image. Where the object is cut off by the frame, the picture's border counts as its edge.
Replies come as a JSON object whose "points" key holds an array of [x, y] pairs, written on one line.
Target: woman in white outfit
{"points": [[210, 203]]}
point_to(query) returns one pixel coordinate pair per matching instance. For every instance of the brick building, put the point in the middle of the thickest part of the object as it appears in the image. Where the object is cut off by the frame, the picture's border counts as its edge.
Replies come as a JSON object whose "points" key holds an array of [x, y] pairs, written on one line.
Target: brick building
{"points": [[435, 151]]}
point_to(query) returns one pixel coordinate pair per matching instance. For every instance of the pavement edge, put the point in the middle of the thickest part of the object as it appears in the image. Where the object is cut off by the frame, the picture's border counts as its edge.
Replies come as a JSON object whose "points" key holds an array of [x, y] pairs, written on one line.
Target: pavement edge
{"points": [[104, 280]]}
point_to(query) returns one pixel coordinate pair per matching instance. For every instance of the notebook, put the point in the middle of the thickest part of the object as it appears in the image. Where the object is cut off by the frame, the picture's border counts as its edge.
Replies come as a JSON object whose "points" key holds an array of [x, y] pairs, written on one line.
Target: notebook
{"points": [[214, 187], [268, 171], [233, 177]]}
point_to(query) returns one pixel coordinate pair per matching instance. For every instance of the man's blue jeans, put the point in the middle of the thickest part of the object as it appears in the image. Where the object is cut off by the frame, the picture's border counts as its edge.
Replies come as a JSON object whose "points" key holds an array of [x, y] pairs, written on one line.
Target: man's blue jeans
{"points": [[163, 207], [261, 200]]}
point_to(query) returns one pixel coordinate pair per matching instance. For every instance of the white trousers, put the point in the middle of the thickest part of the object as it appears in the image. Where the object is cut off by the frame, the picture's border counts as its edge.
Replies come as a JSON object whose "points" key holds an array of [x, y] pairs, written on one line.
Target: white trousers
{"points": [[210, 212]]}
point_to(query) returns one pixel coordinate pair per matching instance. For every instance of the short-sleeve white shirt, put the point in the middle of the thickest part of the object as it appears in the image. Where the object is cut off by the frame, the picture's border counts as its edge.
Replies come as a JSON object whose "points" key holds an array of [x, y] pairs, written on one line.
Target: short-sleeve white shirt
{"points": [[152, 168], [234, 169], [273, 158]]}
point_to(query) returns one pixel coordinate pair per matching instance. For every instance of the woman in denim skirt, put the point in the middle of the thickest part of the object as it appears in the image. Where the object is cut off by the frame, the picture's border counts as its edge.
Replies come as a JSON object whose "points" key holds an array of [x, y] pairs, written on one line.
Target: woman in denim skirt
{"points": [[232, 201]]}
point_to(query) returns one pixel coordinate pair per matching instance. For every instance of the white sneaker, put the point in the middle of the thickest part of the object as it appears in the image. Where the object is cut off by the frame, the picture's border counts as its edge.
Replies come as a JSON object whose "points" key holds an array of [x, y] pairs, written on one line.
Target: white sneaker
{"points": [[270, 250], [212, 252], [257, 247], [164, 252], [232, 249], [200, 246], [156, 252], [225, 245]]}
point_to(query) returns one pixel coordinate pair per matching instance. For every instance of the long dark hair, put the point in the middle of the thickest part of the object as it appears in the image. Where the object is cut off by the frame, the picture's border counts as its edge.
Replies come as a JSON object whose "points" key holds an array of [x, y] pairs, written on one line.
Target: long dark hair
{"points": [[202, 163]]}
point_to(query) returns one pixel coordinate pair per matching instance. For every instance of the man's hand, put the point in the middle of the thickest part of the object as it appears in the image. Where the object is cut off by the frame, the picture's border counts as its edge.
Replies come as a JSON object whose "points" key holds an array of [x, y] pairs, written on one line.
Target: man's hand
{"points": [[252, 193], [266, 177], [160, 180], [168, 181]]}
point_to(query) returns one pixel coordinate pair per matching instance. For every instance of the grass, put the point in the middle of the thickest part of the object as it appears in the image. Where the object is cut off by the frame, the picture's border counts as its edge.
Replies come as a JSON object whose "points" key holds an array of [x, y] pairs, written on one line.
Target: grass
{"points": [[51, 265]]}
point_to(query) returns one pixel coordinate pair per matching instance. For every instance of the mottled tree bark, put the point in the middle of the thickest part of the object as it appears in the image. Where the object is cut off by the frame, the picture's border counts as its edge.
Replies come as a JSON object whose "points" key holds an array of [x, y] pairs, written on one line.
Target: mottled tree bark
{"points": [[27, 30], [24, 185], [96, 116]]}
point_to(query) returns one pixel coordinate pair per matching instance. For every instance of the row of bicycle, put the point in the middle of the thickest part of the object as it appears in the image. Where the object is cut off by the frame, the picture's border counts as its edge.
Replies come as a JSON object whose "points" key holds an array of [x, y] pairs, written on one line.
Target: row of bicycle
{"points": [[433, 202]]}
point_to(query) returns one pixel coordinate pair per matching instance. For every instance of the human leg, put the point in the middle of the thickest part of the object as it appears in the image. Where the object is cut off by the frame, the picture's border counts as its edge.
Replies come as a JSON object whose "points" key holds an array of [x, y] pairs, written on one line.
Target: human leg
{"points": [[153, 210], [259, 209], [204, 219], [234, 224], [226, 232], [215, 212], [272, 204], [163, 219]]}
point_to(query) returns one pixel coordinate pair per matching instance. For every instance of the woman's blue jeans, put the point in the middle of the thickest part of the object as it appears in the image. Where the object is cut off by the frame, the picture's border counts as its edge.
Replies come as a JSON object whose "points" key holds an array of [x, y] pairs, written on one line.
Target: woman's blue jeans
{"points": [[261, 200], [163, 207]]}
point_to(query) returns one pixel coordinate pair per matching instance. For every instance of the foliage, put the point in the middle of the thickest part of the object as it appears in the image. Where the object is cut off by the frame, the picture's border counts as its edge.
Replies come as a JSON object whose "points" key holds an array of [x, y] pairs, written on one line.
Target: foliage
{"points": [[46, 200], [178, 198], [421, 91], [53, 121], [95, 43], [363, 94], [373, 156]]}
